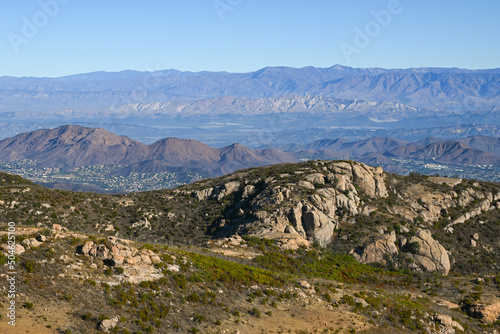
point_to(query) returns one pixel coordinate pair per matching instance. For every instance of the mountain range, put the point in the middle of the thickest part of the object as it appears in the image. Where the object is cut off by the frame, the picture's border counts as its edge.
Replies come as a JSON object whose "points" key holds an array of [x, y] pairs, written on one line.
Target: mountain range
{"points": [[273, 105], [453, 88], [72, 146]]}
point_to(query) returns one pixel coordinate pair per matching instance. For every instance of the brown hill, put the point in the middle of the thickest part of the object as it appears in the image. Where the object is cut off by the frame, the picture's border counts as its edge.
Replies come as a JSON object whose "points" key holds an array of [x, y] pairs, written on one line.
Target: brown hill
{"points": [[183, 152], [71, 146], [237, 156], [371, 145], [455, 153], [483, 143]]}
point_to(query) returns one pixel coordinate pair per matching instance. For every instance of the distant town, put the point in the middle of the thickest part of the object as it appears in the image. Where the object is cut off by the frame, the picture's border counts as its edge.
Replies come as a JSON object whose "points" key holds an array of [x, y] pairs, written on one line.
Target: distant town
{"points": [[106, 178]]}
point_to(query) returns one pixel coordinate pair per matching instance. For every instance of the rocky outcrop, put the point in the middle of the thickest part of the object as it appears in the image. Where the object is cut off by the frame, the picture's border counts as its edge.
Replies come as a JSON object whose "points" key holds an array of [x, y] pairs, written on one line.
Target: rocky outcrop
{"points": [[485, 313], [375, 251], [317, 225], [448, 323], [430, 256], [138, 265], [34, 242], [313, 206], [485, 205], [108, 324], [369, 180]]}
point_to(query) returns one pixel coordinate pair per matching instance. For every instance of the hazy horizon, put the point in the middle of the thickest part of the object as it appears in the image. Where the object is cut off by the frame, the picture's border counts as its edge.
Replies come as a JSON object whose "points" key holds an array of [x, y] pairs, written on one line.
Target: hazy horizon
{"points": [[54, 38]]}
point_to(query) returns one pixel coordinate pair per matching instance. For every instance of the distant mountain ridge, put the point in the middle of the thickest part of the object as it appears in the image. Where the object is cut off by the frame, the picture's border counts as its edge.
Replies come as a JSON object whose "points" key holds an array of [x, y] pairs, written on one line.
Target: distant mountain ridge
{"points": [[435, 88], [474, 150], [73, 146]]}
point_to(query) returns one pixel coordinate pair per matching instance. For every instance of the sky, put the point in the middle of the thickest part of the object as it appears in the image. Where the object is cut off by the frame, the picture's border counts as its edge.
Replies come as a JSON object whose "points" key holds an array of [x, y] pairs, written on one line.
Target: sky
{"points": [[52, 38]]}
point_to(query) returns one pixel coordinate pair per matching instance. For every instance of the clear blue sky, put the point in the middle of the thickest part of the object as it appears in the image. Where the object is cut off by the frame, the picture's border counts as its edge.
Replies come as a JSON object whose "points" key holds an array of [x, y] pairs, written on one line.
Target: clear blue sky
{"points": [[110, 35]]}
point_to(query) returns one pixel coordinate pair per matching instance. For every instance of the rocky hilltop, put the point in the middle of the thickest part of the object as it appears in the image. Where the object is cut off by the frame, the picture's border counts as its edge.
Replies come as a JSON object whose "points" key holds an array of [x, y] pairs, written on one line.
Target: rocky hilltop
{"points": [[325, 245], [318, 202], [415, 222]]}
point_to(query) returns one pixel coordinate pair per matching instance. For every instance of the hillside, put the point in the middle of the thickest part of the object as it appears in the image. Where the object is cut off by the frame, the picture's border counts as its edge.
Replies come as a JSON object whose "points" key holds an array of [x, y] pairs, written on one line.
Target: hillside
{"points": [[264, 249], [72, 146]]}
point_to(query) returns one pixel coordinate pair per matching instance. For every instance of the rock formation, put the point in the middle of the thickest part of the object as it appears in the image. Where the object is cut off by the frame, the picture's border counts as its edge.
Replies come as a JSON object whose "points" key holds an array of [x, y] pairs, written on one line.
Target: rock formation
{"points": [[375, 252], [431, 256], [138, 265]]}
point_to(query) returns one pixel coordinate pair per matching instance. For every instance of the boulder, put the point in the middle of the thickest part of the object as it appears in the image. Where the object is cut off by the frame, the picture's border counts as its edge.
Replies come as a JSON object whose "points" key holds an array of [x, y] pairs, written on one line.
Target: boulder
{"points": [[431, 256], [373, 252], [231, 187], [304, 285], [138, 265], [485, 313], [57, 227], [306, 184], [86, 247], [316, 178], [361, 302], [202, 195], [317, 225], [448, 323], [32, 242], [108, 324], [371, 184], [18, 250], [249, 190]]}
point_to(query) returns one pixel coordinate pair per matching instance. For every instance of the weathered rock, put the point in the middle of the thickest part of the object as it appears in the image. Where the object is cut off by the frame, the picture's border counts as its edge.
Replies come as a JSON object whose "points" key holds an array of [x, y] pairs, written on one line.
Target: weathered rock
{"points": [[57, 227], [306, 184], [109, 228], [316, 178], [18, 250], [231, 187], [143, 224], [317, 225], [288, 241], [295, 218], [374, 251], [117, 260], [371, 184], [108, 324], [361, 301], [431, 256], [86, 247], [137, 265], [304, 285], [485, 313], [448, 304], [173, 268], [32, 242], [448, 323], [202, 195], [249, 190]]}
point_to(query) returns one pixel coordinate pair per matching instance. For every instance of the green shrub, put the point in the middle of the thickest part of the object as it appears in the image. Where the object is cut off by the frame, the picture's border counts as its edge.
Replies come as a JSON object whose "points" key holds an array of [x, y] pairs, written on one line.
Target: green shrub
{"points": [[193, 297], [29, 266], [255, 312], [87, 316]]}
